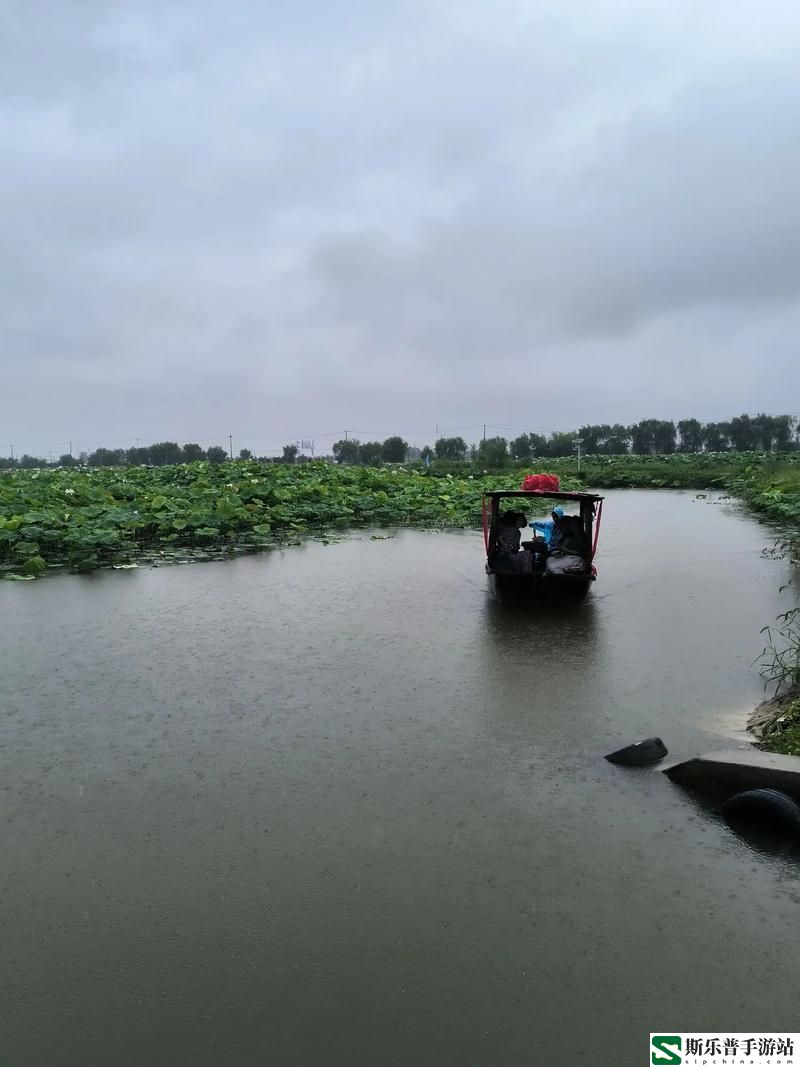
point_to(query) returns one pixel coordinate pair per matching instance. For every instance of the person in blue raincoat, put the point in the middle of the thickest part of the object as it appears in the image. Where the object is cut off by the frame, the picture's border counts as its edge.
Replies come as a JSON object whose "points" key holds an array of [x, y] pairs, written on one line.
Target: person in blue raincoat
{"points": [[550, 529]]}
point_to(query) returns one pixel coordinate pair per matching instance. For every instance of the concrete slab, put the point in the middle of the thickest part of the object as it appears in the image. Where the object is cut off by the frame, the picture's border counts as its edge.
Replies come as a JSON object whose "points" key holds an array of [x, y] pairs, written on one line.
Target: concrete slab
{"points": [[734, 769]]}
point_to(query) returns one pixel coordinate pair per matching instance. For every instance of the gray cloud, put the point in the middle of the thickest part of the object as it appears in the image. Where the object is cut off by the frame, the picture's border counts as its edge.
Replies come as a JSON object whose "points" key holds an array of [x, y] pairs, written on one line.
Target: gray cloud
{"points": [[279, 219]]}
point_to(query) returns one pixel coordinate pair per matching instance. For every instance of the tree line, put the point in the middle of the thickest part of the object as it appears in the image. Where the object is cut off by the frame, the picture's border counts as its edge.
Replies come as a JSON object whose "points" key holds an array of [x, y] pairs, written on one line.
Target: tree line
{"points": [[745, 433], [161, 454]]}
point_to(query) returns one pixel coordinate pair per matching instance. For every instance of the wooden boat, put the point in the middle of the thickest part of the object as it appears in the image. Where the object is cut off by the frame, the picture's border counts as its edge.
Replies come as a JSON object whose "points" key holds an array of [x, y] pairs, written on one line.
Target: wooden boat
{"points": [[541, 578]]}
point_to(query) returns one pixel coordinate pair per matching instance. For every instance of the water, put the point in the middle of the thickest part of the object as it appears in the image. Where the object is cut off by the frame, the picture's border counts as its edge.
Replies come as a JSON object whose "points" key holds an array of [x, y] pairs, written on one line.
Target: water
{"points": [[334, 805]]}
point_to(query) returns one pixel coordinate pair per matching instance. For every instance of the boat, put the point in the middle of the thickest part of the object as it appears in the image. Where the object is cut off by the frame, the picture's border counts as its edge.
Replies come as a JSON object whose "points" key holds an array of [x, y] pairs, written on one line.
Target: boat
{"points": [[547, 576]]}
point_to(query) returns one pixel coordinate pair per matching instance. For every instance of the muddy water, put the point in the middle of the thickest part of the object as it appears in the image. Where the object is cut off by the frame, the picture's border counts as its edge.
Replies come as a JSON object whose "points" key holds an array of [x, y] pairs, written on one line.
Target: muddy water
{"points": [[334, 805]]}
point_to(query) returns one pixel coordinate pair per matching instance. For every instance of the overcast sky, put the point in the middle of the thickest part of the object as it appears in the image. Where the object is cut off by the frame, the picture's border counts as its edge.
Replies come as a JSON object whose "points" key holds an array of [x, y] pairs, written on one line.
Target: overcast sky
{"points": [[286, 218]]}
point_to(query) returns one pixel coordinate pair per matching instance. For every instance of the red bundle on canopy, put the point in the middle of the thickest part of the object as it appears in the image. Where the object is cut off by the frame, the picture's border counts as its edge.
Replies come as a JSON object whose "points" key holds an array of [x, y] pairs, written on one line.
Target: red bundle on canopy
{"points": [[541, 483]]}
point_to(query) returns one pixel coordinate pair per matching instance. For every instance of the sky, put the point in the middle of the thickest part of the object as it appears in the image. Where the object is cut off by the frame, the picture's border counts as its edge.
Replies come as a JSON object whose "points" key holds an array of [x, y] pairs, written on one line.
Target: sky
{"points": [[282, 220]]}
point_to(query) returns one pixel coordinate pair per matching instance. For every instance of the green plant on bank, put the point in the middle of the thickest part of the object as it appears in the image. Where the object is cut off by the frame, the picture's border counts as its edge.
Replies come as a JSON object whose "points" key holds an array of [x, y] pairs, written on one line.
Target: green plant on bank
{"points": [[780, 657], [780, 732]]}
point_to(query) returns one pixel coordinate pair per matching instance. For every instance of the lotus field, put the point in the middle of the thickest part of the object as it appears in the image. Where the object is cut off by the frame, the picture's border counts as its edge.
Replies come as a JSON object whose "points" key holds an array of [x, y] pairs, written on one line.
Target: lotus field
{"points": [[93, 517], [90, 517]]}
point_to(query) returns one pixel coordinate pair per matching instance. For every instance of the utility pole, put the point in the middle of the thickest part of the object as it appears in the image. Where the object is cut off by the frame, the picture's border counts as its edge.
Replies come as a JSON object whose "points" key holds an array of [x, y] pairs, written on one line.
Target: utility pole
{"points": [[70, 450], [484, 431], [578, 443], [12, 451], [230, 445], [346, 432]]}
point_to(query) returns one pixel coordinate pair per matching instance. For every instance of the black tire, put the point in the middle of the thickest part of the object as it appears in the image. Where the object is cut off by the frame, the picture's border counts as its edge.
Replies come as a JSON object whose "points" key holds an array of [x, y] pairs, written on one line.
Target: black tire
{"points": [[767, 806], [640, 754]]}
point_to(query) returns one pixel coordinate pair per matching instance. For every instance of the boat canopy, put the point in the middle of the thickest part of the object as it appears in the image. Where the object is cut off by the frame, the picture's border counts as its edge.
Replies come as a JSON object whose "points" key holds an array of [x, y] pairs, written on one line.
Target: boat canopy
{"points": [[550, 494]]}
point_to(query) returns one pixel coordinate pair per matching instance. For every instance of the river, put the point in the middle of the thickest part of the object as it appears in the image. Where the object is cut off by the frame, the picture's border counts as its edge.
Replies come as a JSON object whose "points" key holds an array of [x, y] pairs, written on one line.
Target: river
{"points": [[335, 805]]}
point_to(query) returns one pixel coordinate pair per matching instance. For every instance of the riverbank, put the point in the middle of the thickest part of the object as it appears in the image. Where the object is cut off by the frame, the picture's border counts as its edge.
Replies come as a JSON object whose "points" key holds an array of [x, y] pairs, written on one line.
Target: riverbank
{"points": [[776, 723]]}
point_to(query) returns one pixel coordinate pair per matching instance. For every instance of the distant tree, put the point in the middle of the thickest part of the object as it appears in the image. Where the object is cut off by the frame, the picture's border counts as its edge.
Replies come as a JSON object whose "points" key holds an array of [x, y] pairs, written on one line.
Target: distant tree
{"points": [[493, 452], [426, 454], [7, 463], [216, 454], [653, 435], [107, 457], [538, 443], [691, 435], [782, 428], [289, 453], [560, 444], [245, 453], [665, 436], [716, 437], [521, 446], [67, 460], [370, 453], [138, 456], [30, 462], [165, 453], [618, 442], [191, 453], [393, 450], [773, 432], [346, 452], [742, 433], [593, 437], [450, 448]]}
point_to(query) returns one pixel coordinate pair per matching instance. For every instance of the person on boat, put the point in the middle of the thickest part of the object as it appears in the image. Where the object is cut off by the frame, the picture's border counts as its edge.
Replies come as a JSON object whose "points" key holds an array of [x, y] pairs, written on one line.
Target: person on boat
{"points": [[573, 540], [548, 528], [509, 556]]}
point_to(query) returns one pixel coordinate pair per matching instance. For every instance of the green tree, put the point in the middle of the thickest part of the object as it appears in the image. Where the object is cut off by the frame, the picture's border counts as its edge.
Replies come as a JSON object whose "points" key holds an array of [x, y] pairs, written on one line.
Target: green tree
{"points": [[107, 457], [521, 447], [426, 454], [653, 435], [451, 448], [30, 462], [166, 453], [691, 435], [217, 454], [560, 444], [346, 452], [370, 453], [245, 453], [593, 438], [742, 433], [773, 432], [493, 452], [618, 442], [191, 453], [67, 460], [782, 428], [716, 437], [394, 450], [289, 453]]}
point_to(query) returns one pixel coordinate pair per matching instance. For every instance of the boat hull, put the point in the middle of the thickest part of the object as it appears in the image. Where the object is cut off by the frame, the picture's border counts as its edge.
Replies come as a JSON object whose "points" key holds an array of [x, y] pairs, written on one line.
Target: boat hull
{"points": [[543, 588]]}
